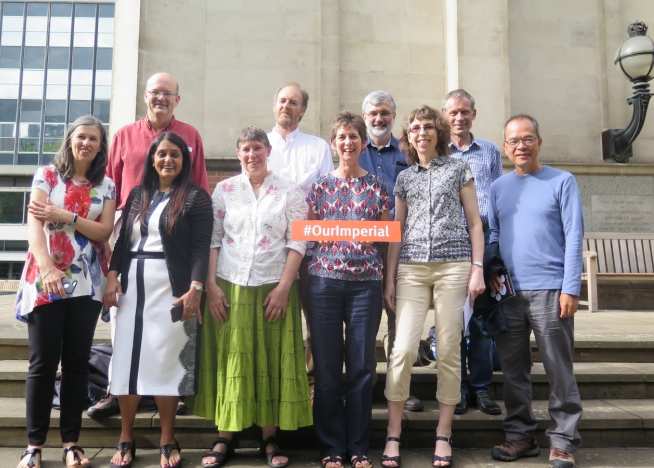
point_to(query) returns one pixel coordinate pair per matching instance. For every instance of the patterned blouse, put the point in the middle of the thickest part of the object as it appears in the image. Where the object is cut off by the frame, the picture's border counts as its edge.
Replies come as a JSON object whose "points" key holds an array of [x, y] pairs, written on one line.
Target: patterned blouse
{"points": [[254, 233], [435, 226], [81, 259], [358, 199]]}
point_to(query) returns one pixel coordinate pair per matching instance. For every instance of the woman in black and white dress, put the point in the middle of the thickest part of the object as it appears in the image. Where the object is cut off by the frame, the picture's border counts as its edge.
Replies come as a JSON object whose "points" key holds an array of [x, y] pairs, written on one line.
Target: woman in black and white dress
{"points": [[161, 256]]}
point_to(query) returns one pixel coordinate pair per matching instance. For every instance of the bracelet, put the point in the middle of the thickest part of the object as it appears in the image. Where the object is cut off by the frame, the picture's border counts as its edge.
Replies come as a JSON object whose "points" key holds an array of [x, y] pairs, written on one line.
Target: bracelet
{"points": [[74, 221], [479, 264], [197, 286]]}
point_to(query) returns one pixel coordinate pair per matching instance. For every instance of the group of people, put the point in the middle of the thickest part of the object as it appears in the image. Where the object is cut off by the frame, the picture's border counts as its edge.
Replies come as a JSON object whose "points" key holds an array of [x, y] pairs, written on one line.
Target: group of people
{"points": [[238, 357]]}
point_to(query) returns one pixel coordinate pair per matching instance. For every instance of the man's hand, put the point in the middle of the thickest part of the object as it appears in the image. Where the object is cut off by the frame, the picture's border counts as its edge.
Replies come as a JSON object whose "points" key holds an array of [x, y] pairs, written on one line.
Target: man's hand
{"points": [[568, 304]]}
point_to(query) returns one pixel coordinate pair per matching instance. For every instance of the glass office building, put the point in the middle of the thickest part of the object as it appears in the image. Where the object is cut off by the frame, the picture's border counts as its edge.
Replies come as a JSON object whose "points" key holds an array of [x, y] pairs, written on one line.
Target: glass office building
{"points": [[55, 65]]}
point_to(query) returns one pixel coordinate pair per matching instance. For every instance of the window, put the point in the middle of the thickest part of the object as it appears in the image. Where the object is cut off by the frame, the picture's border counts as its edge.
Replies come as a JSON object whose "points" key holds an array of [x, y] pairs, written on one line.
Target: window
{"points": [[55, 65], [12, 207], [11, 270]]}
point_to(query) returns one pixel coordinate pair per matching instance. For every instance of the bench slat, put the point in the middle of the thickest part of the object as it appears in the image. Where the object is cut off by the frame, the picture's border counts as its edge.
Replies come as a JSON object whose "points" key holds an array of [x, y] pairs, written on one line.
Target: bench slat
{"points": [[648, 253]]}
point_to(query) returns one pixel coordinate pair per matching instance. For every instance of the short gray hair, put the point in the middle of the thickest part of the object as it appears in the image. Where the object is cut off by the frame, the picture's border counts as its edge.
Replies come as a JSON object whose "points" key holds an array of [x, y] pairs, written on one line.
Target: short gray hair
{"points": [[459, 93], [252, 133], [377, 98]]}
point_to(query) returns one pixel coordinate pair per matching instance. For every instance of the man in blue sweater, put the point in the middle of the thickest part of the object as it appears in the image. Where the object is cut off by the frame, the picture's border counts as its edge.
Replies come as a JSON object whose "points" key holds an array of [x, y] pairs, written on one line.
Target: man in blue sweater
{"points": [[536, 219]]}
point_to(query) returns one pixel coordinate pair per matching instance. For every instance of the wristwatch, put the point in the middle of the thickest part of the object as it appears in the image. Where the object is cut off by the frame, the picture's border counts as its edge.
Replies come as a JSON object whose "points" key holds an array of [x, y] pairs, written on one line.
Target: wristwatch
{"points": [[197, 287], [479, 264]]}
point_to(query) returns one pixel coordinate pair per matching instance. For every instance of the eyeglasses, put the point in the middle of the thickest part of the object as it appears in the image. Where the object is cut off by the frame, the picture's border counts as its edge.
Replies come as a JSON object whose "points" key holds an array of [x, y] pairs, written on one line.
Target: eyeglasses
{"points": [[427, 128], [528, 141], [161, 94]]}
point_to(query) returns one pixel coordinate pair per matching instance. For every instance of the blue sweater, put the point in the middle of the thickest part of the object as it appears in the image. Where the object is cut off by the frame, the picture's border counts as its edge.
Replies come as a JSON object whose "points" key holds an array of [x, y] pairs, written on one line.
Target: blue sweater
{"points": [[538, 221]]}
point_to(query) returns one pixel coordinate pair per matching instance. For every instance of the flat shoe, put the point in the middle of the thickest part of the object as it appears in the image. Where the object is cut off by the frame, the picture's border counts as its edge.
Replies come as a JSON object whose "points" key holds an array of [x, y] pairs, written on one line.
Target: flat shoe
{"points": [[77, 459], [34, 460], [124, 448], [275, 452], [220, 457], [167, 450]]}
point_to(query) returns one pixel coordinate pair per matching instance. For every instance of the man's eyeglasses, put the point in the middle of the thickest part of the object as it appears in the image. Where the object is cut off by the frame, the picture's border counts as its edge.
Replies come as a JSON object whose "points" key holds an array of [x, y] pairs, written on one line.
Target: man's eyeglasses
{"points": [[427, 128], [528, 141], [161, 94]]}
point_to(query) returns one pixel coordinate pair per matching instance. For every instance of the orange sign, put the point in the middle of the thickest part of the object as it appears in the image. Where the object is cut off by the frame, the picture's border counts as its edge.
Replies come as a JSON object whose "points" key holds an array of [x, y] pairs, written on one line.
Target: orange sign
{"points": [[341, 230]]}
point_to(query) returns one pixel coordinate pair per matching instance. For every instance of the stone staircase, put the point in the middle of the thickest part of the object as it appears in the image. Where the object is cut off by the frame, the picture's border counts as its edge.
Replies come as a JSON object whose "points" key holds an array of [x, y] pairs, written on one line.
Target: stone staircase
{"points": [[614, 369]]}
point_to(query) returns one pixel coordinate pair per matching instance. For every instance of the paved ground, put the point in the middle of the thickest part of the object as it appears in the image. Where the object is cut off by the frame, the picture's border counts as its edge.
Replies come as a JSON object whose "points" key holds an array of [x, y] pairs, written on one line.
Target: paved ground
{"points": [[613, 325], [597, 458]]}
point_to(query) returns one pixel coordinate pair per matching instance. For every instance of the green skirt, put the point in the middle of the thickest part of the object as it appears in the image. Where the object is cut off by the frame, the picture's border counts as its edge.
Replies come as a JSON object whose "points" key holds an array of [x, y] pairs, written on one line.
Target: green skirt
{"points": [[251, 370]]}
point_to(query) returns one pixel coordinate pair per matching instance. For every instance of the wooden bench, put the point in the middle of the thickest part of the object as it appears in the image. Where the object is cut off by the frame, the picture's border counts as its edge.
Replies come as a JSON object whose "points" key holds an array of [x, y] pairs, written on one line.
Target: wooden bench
{"points": [[616, 255]]}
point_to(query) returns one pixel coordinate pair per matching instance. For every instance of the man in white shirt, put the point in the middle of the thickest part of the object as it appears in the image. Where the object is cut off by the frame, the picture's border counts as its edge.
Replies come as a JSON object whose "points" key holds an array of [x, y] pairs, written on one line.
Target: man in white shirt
{"points": [[299, 157]]}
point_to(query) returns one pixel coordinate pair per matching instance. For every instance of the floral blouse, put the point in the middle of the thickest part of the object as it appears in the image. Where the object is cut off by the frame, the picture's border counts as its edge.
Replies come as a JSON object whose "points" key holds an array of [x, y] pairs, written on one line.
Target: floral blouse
{"points": [[254, 233], [357, 199], [435, 227], [81, 259]]}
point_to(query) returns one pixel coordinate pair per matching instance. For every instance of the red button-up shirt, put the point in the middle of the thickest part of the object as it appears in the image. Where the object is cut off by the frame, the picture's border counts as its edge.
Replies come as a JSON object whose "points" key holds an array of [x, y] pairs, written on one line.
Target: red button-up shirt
{"points": [[129, 149]]}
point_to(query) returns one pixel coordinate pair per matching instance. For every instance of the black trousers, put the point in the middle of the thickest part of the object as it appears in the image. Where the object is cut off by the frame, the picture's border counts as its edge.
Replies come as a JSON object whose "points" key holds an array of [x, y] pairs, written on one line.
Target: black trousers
{"points": [[61, 331]]}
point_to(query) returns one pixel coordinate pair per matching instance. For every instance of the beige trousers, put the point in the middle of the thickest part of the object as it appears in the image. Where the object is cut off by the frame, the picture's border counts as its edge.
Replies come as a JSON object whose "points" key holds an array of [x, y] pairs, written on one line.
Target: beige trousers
{"points": [[417, 283]]}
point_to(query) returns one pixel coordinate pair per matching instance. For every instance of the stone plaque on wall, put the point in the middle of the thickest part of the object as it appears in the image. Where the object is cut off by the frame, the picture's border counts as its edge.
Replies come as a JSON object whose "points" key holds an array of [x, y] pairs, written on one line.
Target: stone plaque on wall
{"points": [[622, 213]]}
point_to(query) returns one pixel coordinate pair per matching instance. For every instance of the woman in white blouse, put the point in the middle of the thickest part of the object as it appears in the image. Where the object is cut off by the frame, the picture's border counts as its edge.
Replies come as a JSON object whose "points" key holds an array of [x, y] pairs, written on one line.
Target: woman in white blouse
{"points": [[252, 368]]}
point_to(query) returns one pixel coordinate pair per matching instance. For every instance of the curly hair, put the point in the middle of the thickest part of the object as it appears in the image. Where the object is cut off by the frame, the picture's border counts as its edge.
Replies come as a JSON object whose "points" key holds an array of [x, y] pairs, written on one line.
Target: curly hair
{"points": [[425, 112]]}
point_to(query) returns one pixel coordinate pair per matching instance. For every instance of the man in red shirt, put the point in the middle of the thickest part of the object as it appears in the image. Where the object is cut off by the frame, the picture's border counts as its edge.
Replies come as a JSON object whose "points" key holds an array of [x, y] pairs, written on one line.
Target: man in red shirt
{"points": [[130, 144]]}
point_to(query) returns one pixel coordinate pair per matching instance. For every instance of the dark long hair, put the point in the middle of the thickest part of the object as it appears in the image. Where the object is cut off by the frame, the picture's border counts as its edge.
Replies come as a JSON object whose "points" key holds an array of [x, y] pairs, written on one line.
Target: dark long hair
{"points": [[64, 161], [181, 185]]}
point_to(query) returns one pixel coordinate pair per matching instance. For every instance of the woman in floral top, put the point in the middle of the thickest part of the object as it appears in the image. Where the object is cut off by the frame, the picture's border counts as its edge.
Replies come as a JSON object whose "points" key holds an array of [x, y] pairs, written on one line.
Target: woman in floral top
{"points": [[71, 214], [345, 287], [439, 261], [252, 368]]}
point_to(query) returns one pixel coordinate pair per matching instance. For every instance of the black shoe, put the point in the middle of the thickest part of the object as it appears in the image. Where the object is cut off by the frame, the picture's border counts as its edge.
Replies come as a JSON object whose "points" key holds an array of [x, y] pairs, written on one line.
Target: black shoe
{"points": [[486, 404], [413, 404], [104, 408], [462, 406]]}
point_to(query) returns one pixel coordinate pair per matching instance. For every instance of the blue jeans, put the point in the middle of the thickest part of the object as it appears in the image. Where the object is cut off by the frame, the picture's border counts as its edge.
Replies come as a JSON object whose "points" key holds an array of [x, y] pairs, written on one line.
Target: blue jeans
{"points": [[476, 356], [342, 407]]}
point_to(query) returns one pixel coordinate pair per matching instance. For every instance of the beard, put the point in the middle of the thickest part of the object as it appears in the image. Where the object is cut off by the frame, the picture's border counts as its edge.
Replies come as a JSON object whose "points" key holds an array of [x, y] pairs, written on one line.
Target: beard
{"points": [[378, 132]]}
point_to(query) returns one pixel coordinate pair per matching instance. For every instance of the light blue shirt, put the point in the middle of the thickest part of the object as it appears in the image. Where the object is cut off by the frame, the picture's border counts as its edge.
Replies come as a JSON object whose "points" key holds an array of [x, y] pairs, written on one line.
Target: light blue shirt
{"points": [[538, 221], [485, 162]]}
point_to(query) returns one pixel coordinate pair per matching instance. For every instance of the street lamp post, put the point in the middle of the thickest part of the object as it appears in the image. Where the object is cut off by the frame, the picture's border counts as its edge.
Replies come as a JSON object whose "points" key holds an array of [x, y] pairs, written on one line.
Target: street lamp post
{"points": [[636, 60]]}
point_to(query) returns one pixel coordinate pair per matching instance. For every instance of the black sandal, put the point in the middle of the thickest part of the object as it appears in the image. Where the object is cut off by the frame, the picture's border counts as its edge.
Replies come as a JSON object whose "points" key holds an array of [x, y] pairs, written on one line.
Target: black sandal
{"points": [[220, 457], [76, 449], [331, 459], [275, 452], [124, 448], [397, 459], [356, 459], [34, 460], [167, 450], [438, 458]]}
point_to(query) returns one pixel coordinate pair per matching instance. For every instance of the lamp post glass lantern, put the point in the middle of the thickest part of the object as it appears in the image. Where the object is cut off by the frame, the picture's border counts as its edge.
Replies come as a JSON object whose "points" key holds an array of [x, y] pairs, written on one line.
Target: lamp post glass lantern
{"points": [[636, 60]]}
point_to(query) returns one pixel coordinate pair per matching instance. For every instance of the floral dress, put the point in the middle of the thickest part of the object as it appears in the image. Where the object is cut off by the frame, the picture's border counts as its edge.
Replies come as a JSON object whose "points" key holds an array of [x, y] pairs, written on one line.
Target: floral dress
{"points": [[80, 259]]}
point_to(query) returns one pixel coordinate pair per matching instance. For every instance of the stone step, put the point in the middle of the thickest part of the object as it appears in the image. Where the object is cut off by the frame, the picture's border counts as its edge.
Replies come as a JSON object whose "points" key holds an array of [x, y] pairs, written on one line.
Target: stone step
{"points": [[587, 350], [596, 380], [606, 423]]}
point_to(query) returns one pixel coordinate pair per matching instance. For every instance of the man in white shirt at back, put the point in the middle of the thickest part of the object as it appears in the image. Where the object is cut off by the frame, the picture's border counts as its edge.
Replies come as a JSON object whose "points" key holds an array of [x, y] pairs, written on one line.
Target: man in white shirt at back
{"points": [[299, 157]]}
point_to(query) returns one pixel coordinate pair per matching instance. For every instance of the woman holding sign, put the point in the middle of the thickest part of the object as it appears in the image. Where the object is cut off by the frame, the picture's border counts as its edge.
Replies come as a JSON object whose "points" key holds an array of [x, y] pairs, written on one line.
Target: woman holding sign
{"points": [[252, 367], [439, 259], [345, 287]]}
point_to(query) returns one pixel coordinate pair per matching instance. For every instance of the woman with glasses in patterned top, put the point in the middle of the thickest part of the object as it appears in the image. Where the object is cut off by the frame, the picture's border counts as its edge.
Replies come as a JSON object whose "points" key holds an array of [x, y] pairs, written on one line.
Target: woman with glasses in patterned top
{"points": [[439, 260]]}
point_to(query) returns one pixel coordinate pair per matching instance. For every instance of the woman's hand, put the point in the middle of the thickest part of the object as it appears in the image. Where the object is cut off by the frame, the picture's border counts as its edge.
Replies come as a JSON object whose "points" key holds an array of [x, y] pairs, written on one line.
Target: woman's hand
{"points": [[112, 290], [476, 284], [51, 281], [47, 212], [190, 304], [389, 295], [276, 302], [216, 301]]}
